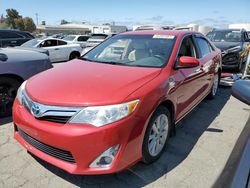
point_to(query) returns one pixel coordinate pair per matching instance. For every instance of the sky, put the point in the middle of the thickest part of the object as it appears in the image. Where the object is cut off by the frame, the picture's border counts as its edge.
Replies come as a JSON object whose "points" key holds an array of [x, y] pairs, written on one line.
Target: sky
{"points": [[215, 13]]}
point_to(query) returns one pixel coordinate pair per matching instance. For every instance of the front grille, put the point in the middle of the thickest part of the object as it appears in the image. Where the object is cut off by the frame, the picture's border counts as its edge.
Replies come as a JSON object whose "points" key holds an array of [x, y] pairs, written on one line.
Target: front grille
{"points": [[58, 114], [50, 150], [56, 119]]}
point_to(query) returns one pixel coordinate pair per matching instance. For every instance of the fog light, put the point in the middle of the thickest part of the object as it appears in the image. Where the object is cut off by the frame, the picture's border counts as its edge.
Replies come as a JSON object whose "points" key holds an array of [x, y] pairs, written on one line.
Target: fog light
{"points": [[106, 158]]}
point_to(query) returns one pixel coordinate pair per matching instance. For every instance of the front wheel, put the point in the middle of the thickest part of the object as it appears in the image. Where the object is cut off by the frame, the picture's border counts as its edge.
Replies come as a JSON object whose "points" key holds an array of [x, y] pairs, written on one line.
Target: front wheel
{"points": [[8, 91], [156, 135], [215, 86]]}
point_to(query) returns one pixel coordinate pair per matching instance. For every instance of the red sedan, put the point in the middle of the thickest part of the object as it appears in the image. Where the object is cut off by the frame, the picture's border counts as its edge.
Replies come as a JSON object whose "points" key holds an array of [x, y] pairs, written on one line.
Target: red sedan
{"points": [[118, 103]]}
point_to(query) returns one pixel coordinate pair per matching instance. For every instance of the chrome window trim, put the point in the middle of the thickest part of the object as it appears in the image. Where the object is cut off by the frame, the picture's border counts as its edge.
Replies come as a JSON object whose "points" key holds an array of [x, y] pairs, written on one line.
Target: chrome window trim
{"points": [[46, 110]]}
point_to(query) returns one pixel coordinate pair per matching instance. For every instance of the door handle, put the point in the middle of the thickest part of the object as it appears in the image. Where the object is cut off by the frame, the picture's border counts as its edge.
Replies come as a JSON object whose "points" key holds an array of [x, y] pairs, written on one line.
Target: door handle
{"points": [[56, 48], [13, 41]]}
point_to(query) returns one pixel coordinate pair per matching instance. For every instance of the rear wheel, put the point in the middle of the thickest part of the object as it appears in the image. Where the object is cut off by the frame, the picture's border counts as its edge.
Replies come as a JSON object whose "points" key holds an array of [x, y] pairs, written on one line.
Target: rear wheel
{"points": [[156, 135], [8, 91], [215, 86], [74, 55]]}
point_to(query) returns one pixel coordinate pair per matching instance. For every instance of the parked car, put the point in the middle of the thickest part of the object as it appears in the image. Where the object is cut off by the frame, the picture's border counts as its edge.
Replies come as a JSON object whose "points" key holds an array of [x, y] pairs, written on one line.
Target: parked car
{"points": [[59, 50], [97, 38], [77, 39], [94, 40], [118, 103], [17, 65], [241, 90], [13, 37], [233, 44]]}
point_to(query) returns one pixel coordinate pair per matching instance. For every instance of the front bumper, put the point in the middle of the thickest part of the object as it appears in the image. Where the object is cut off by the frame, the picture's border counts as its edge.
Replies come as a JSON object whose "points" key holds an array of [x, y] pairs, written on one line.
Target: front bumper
{"points": [[84, 142]]}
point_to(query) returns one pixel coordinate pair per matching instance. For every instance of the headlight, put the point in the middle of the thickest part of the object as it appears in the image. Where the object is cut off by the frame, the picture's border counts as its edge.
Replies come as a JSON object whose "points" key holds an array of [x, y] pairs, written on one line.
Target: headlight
{"points": [[102, 115], [20, 92]]}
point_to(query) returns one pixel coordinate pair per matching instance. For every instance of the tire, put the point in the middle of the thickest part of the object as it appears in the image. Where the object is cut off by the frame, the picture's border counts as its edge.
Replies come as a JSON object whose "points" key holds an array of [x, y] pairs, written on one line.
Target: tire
{"points": [[8, 91], [215, 86], [74, 55], [155, 135]]}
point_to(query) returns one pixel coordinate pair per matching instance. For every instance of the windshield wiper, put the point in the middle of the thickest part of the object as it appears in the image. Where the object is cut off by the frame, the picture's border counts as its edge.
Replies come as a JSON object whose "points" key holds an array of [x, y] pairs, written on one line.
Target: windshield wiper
{"points": [[86, 59], [111, 62]]}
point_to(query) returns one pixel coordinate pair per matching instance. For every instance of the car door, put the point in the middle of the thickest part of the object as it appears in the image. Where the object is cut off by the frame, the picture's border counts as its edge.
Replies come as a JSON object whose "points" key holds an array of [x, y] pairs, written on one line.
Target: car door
{"points": [[51, 46], [188, 80], [63, 50], [209, 60]]}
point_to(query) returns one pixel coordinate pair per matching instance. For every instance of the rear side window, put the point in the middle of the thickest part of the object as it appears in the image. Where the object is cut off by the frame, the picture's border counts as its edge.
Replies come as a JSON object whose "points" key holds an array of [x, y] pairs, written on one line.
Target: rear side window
{"points": [[204, 46], [61, 42], [83, 38], [10, 35]]}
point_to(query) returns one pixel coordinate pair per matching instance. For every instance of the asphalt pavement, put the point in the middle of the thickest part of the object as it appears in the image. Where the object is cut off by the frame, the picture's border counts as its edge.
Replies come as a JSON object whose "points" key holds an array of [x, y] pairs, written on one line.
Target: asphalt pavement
{"points": [[195, 157]]}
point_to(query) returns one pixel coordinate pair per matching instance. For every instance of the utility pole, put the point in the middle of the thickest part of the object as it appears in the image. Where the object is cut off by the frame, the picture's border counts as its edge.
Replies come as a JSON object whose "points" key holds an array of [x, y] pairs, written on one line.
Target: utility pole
{"points": [[36, 19]]}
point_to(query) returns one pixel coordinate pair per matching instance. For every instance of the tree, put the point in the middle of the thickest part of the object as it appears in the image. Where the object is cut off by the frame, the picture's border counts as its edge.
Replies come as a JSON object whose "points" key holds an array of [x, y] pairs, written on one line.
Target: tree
{"points": [[2, 19], [29, 24], [64, 22], [19, 24], [12, 14]]}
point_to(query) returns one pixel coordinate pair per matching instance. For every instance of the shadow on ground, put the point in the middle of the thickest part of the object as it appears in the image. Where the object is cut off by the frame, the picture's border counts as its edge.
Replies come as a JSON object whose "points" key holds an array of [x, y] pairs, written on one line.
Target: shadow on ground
{"points": [[5, 120], [188, 132]]}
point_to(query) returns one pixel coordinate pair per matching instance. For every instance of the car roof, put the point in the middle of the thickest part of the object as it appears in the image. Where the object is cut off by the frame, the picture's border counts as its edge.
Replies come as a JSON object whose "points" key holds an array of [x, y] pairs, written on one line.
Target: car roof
{"points": [[52, 38], [228, 29], [159, 32]]}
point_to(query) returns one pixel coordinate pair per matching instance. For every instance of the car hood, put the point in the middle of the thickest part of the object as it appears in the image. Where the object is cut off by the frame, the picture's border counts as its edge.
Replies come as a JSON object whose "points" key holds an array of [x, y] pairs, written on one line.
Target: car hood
{"points": [[226, 45], [24, 55], [44, 51], [82, 83]]}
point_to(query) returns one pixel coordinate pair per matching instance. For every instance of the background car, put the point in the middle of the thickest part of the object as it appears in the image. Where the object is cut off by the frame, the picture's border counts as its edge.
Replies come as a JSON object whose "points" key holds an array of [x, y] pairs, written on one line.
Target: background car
{"points": [[13, 37], [118, 103], [96, 39], [77, 39], [241, 91], [59, 50], [233, 44], [17, 65]]}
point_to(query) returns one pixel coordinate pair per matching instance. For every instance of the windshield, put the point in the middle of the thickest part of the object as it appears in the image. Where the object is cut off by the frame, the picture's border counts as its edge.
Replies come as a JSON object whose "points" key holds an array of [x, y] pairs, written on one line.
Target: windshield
{"points": [[224, 36], [30, 43], [69, 37], [133, 50]]}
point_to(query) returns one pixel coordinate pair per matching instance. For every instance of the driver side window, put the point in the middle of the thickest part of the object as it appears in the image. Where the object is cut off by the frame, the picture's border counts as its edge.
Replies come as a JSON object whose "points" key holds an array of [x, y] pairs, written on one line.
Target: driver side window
{"points": [[187, 48], [48, 43]]}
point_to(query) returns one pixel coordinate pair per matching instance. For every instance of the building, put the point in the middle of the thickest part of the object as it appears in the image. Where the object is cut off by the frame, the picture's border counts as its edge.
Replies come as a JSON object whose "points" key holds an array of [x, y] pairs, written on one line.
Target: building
{"points": [[74, 28], [245, 26]]}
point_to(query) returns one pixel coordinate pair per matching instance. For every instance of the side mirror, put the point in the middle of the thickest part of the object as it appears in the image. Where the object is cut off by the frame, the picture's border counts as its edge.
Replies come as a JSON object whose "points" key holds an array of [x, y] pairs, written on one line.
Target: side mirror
{"points": [[187, 62], [241, 90], [3, 57]]}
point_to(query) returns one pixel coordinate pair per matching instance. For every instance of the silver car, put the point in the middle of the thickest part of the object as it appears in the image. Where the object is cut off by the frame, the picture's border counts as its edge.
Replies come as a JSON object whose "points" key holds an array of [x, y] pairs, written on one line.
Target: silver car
{"points": [[17, 65]]}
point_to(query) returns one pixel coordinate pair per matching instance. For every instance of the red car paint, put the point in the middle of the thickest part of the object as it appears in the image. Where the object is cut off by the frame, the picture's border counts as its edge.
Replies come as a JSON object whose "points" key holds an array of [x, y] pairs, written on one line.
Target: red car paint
{"points": [[93, 84]]}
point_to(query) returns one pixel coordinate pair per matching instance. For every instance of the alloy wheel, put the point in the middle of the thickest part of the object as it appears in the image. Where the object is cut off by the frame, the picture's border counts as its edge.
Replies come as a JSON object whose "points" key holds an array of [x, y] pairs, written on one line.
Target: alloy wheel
{"points": [[158, 135]]}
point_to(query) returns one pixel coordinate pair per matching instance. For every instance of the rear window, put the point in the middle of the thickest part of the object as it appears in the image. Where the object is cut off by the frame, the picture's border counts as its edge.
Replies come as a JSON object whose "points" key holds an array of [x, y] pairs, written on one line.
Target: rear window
{"points": [[98, 36]]}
